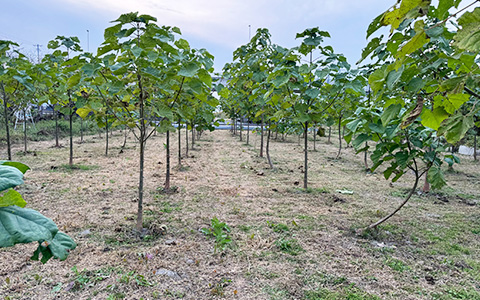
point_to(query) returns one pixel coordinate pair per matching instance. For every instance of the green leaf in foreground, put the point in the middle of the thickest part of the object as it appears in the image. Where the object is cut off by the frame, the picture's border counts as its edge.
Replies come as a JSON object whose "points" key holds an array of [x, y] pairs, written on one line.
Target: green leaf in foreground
{"points": [[12, 197], [22, 225], [9, 177], [21, 167]]}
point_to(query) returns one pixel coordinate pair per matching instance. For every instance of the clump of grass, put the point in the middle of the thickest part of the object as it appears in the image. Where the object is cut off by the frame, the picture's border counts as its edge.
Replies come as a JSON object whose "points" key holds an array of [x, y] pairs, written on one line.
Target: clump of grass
{"points": [[68, 168], [278, 228], [290, 246]]}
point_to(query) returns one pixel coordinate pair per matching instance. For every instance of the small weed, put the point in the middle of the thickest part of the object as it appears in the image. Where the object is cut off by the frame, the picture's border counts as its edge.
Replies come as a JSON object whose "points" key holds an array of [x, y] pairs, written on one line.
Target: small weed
{"points": [[218, 288], [174, 294], [278, 228], [396, 264], [167, 207], [289, 246], [220, 231], [245, 228], [131, 276], [116, 296]]}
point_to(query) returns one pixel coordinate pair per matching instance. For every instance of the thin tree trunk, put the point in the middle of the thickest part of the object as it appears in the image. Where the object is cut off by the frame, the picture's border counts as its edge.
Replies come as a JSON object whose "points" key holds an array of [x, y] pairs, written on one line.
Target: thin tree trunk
{"points": [[475, 146], [276, 132], [186, 140], [5, 113], [426, 185], [70, 162], [374, 225], [139, 225], [235, 126], [25, 130], [261, 138], [365, 158], [305, 174], [81, 130], [329, 134], [56, 127], [106, 135], [241, 130], [193, 136], [167, 175], [315, 137], [339, 137], [248, 131], [268, 148], [124, 140], [179, 144]]}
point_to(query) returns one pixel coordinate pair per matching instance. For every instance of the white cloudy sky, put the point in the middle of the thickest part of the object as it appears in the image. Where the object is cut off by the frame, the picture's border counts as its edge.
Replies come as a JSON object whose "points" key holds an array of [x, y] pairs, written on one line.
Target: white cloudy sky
{"points": [[220, 26]]}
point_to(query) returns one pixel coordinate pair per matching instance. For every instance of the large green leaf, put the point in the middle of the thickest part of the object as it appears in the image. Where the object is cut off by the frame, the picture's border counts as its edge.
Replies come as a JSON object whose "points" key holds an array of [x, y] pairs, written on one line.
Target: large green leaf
{"points": [[60, 245], [189, 69], [393, 77], [22, 167], [12, 197], [436, 178], [433, 119], [360, 139], [22, 225], [455, 127], [372, 45], [390, 113], [468, 37], [10, 177], [414, 44]]}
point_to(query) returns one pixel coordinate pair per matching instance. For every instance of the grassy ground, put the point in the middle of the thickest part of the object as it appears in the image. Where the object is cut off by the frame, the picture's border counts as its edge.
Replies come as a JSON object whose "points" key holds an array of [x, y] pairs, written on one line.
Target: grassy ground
{"points": [[45, 130], [286, 243]]}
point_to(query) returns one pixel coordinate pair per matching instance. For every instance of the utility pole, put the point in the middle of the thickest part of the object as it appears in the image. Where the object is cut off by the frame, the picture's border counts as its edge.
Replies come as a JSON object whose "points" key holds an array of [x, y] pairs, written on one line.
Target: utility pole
{"points": [[88, 40], [38, 52]]}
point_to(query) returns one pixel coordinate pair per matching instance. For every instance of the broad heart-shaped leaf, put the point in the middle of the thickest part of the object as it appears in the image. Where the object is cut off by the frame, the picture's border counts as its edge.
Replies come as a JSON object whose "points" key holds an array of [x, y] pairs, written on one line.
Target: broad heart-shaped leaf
{"points": [[12, 197], [455, 127], [443, 7], [390, 113], [60, 245], [433, 119], [163, 111], [23, 225], [74, 80], [58, 248], [10, 177], [377, 78], [436, 178], [189, 69], [22, 167], [468, 37], [454, 102], [83, 112], [407, 9], [413, 45], [393, 76], [359, 140], [353, 125], [372, 45], [378, 128]]}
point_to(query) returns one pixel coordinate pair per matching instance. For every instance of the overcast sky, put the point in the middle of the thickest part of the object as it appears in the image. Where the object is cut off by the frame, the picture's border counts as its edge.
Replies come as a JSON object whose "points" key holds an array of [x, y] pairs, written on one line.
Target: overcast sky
{"points": [[220, 26]]}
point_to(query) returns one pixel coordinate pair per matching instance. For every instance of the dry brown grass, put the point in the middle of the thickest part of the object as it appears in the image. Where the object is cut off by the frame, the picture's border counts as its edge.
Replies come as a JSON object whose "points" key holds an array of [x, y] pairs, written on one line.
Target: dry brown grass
{"points": [[226, 179]]}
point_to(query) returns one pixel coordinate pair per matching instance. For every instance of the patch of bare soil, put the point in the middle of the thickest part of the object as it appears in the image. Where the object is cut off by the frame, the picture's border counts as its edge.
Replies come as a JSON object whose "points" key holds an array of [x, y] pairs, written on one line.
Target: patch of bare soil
{"points": [[287, 243]]}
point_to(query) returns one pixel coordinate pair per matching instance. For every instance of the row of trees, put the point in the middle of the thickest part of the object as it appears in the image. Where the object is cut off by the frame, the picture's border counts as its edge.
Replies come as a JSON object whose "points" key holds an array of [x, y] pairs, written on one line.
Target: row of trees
{"points": [[417, 94], [143, 77]]}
